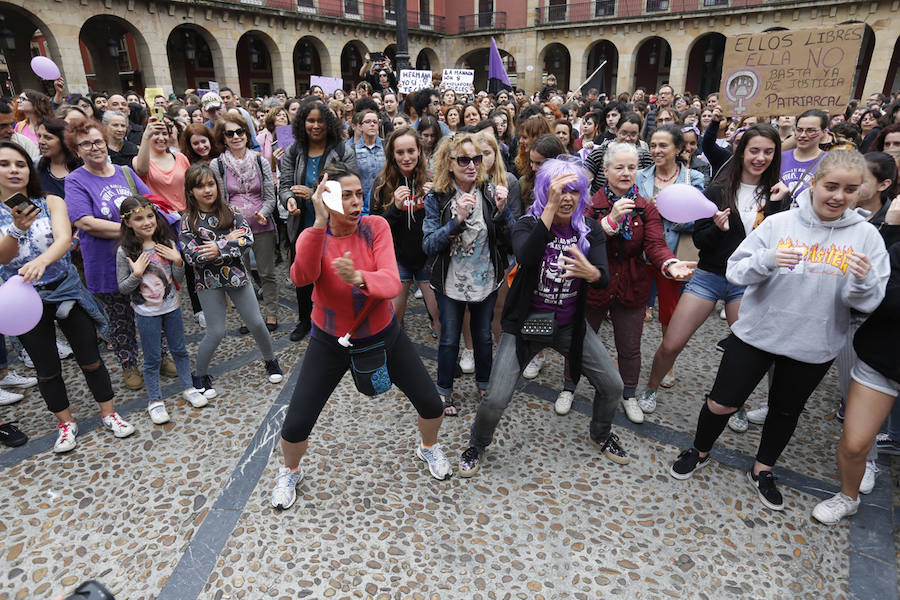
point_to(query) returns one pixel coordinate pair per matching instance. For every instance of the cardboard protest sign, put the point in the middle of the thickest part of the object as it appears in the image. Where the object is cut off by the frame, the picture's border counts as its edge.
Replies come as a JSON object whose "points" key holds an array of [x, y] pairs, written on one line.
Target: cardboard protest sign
{"points": [[328, 84], [284, 136], [151, 93], [459, 80], [788, 72], [413, 81], [214, 86]]}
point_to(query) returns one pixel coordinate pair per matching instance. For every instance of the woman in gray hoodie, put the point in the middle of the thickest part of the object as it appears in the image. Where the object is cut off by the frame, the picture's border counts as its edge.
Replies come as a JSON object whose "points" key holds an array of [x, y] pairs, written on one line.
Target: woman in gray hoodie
{"points": [[804, 270]]}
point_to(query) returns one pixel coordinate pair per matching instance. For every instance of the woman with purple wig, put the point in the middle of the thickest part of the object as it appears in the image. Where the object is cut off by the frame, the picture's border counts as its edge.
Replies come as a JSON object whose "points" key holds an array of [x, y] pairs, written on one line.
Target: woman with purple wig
{"points": [[559, 254]]}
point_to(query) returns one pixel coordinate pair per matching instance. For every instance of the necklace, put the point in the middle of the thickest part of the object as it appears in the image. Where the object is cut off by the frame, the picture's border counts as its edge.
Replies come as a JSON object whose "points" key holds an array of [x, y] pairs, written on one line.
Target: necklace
{"points": [[666, 179]]}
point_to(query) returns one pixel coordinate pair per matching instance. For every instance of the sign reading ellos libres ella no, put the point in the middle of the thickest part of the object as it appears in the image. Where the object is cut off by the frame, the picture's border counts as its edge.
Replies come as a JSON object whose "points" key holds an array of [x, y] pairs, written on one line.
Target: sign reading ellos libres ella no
{"points": [[788, 72]]}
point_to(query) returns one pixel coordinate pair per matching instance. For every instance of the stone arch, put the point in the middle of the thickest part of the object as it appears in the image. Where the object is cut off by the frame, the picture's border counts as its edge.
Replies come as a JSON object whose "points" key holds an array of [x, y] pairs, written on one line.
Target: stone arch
{"points": [[556, 60], [17, 29], [596, 53], [258, 62], [704, 60], [116, 55], [653, 62], [892, 80], [309, 57], [429, 59], [352, 57], [195, 57], [478, 60]]}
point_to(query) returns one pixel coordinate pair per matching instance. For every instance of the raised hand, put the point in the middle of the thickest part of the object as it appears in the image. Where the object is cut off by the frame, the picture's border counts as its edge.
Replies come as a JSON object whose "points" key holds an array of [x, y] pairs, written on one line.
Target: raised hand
{"points": [[140, 265]]}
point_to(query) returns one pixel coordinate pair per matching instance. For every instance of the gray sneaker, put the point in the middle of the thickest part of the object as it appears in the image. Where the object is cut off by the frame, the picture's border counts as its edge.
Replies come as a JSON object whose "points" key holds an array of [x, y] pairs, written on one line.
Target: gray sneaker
{"points": [[647, 401], [285, 492], [738, 421], [436, 460]]}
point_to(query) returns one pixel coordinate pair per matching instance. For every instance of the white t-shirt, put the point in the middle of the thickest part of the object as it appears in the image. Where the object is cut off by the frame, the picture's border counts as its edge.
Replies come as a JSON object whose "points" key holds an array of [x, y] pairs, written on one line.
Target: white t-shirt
{"points": [[748, 205]]}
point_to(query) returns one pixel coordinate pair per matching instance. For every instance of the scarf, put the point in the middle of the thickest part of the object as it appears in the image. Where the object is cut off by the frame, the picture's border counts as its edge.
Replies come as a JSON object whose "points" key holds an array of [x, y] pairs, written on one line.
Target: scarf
{"points": [[243, 169], [626, 227], [464, 243]]}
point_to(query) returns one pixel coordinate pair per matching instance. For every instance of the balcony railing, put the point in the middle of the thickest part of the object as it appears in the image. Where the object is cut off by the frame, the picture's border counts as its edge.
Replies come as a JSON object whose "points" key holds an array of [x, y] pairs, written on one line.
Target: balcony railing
{"points": [[574, 12], [357, 11], [657, 5], [485, 20]]}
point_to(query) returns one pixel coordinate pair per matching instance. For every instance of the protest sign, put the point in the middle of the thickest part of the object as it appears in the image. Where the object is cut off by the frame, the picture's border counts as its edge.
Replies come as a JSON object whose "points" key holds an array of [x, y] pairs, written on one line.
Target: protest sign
{"points": [[151, 93], [413, 81], [284, 136], [214, 86], [459, 80], [788, 72], [201, 92], [328, 84]]}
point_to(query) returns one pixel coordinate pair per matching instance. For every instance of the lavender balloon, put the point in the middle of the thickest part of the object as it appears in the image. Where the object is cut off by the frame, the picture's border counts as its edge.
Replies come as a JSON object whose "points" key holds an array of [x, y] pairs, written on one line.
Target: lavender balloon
{"points": [[683, 203], [45, 68], [20, 306]]}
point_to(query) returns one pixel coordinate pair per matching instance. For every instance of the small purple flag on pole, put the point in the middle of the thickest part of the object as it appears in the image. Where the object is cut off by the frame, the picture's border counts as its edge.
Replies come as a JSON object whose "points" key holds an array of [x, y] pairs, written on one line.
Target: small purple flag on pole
{"points": [[497, 77]]}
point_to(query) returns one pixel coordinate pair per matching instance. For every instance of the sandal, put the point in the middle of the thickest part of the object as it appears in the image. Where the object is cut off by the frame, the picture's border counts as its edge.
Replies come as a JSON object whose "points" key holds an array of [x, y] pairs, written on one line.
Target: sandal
{"points": [[450, 409]]}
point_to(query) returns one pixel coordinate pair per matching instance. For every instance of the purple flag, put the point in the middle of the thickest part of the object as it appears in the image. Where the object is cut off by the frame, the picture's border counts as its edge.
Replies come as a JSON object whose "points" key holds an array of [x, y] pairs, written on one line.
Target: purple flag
{"points": [[497, 78]]}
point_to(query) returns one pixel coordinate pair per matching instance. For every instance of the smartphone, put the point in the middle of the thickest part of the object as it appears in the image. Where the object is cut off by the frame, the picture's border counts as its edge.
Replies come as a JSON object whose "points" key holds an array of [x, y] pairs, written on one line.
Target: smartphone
{"points": [[91, 590], [157, 111], [21, 201], [376, 57]]}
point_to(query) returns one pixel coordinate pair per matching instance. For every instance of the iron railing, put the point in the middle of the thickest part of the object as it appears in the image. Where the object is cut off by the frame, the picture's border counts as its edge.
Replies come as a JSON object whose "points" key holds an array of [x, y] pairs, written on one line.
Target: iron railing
{"points": [[657, 5], [485, 20], [574, 12], [357, 11]]}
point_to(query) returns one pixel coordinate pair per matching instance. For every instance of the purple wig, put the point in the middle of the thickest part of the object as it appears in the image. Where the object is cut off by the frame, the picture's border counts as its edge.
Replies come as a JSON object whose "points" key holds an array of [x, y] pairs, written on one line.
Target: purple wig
{"points": [[563, 166]]}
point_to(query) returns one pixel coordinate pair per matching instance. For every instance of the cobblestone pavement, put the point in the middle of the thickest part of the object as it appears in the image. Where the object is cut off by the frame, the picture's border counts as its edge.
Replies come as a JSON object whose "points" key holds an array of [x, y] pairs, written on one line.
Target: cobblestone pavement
{"points": [[181, 511]]}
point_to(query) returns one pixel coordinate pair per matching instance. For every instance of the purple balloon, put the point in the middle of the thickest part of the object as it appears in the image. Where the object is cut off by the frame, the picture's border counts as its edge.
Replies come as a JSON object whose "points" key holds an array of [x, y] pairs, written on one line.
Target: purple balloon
{"points": [[20, 306], [683, 203], [44, 68]]}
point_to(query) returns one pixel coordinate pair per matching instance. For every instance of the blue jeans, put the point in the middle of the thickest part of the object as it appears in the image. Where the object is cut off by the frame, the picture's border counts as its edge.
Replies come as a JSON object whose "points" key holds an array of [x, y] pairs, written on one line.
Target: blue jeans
{"points": [[150, 329], [452, 312]]}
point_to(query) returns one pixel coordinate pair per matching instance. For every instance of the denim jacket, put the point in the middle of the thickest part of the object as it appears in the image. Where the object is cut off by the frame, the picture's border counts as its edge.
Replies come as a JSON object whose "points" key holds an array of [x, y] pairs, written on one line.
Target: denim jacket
{"points": [[71, 288], [644, 182], [370, 161]]}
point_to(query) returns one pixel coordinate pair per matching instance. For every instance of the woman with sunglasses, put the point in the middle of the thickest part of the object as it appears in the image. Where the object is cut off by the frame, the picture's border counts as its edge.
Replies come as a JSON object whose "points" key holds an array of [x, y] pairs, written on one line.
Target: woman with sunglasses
{"points": [[466, 237], [246, 182]]}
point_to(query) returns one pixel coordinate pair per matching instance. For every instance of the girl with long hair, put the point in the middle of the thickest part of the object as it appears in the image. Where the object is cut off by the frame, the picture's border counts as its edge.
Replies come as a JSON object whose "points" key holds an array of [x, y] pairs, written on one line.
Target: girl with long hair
{"points": [[198, 144], [33, 106], [57, 160]]}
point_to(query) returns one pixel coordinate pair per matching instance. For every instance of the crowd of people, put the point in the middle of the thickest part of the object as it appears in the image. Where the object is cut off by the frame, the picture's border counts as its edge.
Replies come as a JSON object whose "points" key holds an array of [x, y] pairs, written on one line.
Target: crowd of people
{"points": [[530, 218]]}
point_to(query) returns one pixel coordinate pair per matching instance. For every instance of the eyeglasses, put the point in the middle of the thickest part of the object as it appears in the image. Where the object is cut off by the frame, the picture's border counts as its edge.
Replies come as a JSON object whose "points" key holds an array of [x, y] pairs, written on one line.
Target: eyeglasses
{"points": [[90, 145], [464, 161], [812, 132], [435, 103], [370, 122], [230, 133]]}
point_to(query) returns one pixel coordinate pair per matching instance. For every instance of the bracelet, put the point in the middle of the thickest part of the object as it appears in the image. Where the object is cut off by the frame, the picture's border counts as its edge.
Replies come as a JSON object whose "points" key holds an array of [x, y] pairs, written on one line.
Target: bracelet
{"points": [[16, 233], [666, 265]]}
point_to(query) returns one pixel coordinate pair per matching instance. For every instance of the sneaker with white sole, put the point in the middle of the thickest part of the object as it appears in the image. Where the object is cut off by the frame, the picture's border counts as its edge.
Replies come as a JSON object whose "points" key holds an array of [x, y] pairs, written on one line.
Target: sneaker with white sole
{"points": [[738, 421], [273, 370], [534, 366], [158, 412], [418, 294], [612, 449], [201, 319], [65, 438], [831, 511], [564, 402], [63, 349], [467, 361], [17, 381], [436, 460], [26, 360], [206, 385], [195, 397], [757, 416], [284, 494], [469, 462], [722, 314], [669, 380], [687, 462], [7, 397], [886, 445], [765, 487], [119, 427], [633, 410], [868, 481], [647, 401]]}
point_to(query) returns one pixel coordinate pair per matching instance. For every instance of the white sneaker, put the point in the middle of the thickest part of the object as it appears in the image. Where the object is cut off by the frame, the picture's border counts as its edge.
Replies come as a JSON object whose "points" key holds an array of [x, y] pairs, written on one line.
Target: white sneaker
{"points": [[647, 402], [831, 511], [534, 366], [195, 397], [868, 481], [722, 314], [201, 319], [7, 397], [757, 416], [65, 439], [564, 402], [418, 294], [63, 349], [119, 427], [26, 360], [467, 361], [158, 413], [633, 410], [436, 460], [285, 492], [17, 381]]}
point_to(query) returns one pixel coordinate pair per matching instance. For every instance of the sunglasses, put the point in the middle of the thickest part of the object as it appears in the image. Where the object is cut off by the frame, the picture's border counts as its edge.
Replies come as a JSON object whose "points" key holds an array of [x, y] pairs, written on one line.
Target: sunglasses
{"points": [[230, 133], [464, 161]]}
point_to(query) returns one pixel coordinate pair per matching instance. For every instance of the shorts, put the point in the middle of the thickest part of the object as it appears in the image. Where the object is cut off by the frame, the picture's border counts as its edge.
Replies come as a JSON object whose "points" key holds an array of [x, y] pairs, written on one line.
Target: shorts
{"points": [[712, 287], [864, 374], [407, 274]]}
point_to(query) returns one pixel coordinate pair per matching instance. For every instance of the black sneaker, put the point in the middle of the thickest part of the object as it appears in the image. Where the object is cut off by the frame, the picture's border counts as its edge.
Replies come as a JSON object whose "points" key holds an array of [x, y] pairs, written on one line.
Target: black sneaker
{"points": [[274, 371], [11, 436], [206, 385], [300, 331], [764, 484], [720, 345], [686, 463], [469, 462], [612, 450]]}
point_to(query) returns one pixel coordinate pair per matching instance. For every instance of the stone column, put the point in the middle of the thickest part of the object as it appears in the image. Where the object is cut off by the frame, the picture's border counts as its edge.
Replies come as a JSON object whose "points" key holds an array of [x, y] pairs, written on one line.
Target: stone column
{"points": [[881, 61]]}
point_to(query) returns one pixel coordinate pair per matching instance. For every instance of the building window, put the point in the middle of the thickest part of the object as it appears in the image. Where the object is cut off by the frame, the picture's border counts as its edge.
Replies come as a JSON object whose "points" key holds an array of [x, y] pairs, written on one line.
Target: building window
{"points": [[557, 10], [351, 7], [715, 2], [657, 5], [605, 8], [305, 3]]}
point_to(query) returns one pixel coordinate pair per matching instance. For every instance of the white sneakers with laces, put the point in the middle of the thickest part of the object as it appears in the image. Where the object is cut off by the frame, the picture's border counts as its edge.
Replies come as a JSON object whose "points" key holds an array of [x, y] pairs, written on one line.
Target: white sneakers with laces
{"points": [[436, 460], [868, 481], [564, 402], [65, 438], [534, 366], [7, 397], [119, 427], [467, 361], [195, 397], [831, 511], [17, 381], [158, 412], [284, 494], [633, 410]]}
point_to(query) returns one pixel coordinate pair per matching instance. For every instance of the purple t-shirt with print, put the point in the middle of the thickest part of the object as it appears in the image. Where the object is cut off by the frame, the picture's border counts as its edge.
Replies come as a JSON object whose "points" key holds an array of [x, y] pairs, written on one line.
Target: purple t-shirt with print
{"points": [[89, 195], [792, 170], [554, 293]]}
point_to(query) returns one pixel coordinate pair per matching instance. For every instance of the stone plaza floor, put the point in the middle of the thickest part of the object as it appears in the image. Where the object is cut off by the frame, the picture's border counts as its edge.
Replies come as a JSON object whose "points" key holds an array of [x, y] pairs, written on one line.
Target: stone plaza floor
{"points": [[181, 511]]}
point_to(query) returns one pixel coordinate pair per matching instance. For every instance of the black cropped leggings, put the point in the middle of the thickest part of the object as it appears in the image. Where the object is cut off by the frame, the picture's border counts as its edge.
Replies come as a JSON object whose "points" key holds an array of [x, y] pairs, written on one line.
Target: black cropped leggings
{"points": [[325, 363]]}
